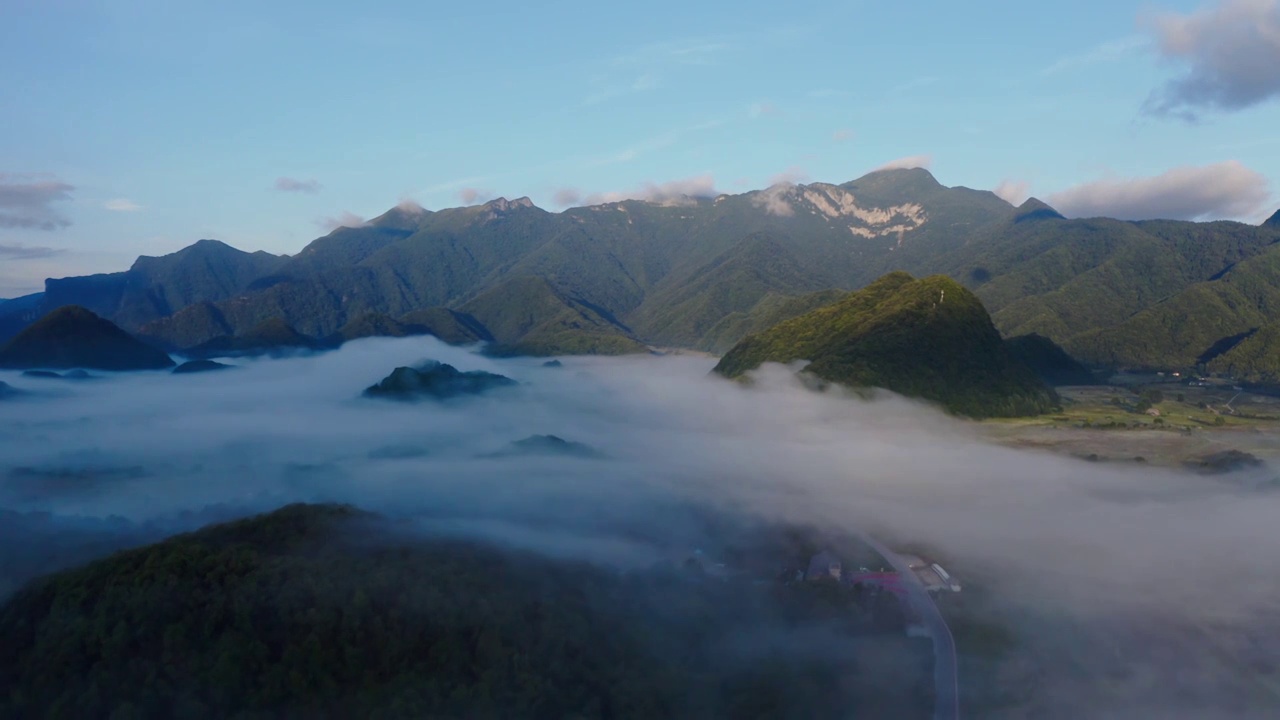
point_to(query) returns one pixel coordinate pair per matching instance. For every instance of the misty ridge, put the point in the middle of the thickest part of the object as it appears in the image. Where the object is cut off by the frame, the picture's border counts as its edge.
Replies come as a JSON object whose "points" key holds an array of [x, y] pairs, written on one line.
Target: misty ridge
{"points": [[1062, 547]]}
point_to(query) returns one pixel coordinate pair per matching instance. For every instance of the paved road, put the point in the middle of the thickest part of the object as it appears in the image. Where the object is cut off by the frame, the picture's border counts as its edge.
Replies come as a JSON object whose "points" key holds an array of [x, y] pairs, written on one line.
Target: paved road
{"points": [[945, 679]]}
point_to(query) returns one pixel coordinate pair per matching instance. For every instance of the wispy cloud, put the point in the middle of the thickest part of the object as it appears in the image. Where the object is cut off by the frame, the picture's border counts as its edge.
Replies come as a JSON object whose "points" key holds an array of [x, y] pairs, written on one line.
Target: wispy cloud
{"points": [[1231, 53], [1014, 192], [288, 184], [914, 84], [1221, 190], [1104, 53], [27, 252], [762, 109], [567, 197], [657, 142], [643, 83], [121, 205], [642, 68], [908, 163], [790, 176], [672, 192], [842, 135], [27, 201], [471, 196], [343, 219]]}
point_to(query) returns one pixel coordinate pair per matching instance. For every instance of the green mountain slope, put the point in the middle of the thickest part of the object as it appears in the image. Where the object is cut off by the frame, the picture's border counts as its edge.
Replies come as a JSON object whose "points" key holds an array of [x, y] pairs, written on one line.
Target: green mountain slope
{"points": [[156, 287], [1049, 361], [1194, 325], [73, 337], [451, 326], [1255, 359], [266, 337], [527, 316], [928, 338], [733, 283], [193, 325]]}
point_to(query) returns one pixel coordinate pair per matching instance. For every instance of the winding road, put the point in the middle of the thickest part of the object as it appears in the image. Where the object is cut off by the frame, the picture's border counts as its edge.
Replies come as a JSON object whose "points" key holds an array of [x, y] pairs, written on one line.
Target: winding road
{"points": [[945, 677]]}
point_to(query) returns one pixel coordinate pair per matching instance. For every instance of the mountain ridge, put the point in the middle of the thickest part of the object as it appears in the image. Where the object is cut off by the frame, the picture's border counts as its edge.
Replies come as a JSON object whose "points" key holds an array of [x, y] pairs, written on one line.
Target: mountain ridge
{"points": [[693, 271]]}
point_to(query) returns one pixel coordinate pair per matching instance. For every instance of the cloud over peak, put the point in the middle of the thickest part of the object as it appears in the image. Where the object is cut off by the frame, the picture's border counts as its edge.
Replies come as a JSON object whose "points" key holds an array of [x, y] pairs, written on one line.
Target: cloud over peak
{"points": [[343, 219], [567, 197], [1231, 53], [909, 163], [1225, 190], [27, 201], [294, 185], [1014, 192], [471, 196], [672, 192]]}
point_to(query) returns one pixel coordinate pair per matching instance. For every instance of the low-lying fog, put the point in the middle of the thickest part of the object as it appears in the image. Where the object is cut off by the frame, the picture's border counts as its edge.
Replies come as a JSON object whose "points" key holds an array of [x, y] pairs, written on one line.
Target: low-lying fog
{"points": [[1152, 587]]}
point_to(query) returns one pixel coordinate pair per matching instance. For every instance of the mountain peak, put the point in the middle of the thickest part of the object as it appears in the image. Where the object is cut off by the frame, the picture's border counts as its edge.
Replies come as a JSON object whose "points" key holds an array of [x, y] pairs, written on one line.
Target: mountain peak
{"points": [[75, 337], [1036, 209], [898, 183], [1274, 221], [504, 204]]}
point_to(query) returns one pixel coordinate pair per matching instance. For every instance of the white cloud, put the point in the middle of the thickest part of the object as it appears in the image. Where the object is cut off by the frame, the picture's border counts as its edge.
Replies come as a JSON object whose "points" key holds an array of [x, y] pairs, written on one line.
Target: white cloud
{"points": [[842, 135], [1014, 192], [653, 144], [27, 252], [288, 184], [774, 200], [908, 163], [791, 176], [409, 205], [27, 201], [567, 197], [1104, 53], [121, 205], [1221, 190], [761, 109], [344, 219], [1231, 53], [471, 196], [672, 192]]}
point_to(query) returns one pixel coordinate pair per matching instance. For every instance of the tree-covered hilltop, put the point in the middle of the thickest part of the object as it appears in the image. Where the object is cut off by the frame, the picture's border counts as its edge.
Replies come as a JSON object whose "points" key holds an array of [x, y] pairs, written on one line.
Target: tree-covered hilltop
{"points": [[928, 338], [73, 337], [331, 612]]}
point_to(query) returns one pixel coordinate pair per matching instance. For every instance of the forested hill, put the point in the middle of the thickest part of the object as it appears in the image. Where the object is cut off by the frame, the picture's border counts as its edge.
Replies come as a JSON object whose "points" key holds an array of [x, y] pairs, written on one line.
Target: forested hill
{"points": [[330, 612], [695, 272], [928, 339]]}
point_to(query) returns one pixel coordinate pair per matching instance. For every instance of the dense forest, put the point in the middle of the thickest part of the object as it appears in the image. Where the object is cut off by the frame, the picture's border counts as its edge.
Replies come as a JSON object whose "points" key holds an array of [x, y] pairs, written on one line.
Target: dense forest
{"points": [[329, 611]]}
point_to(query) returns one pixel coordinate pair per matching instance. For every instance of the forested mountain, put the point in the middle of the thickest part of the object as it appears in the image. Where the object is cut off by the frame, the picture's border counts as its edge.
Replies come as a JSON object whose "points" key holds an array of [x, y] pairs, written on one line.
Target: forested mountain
{"points": [[156, 287], [702, 272], [73, 337], [331, 612], [928, 338]]}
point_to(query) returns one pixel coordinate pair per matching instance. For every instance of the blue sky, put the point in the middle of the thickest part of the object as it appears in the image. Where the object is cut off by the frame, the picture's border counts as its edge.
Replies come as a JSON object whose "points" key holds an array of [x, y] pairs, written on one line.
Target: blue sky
{"points": [[131, 127]]}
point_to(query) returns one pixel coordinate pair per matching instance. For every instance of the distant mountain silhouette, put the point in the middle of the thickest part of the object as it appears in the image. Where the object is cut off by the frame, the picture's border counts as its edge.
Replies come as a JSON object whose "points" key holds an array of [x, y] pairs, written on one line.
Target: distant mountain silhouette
{"points": [[73, 337]]}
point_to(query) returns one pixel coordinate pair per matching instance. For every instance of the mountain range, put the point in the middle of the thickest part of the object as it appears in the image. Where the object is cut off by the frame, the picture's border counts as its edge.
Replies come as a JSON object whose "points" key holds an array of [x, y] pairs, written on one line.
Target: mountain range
{"points": [[704, 272]]}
